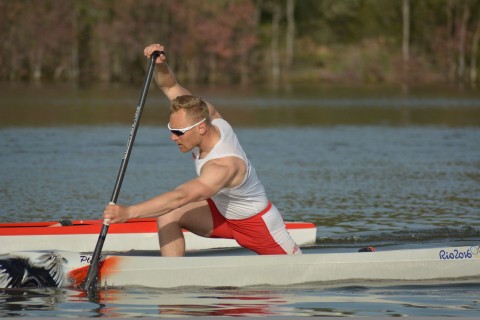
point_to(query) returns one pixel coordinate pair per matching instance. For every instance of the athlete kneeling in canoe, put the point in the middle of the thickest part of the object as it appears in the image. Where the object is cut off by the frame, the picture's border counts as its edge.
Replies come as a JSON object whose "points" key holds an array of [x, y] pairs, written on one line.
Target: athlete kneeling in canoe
{"points": [[226, 200]]}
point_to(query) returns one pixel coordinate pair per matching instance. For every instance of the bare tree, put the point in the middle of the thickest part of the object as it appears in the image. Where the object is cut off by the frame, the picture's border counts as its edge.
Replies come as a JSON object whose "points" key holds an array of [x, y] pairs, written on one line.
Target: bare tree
{"points": [[450, 39], [474, 54], [274, 48], [406, 38], [462, 41], [290, 36]]}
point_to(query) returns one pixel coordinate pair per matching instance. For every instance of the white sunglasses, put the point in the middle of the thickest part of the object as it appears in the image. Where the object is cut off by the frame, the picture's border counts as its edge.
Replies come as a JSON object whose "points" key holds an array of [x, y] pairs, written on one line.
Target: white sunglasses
{"points": [[181, 132]]}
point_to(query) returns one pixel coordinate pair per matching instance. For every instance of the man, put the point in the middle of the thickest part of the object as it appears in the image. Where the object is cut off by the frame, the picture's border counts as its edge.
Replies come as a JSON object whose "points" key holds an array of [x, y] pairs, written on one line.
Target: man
{"points": [[226, 200]]}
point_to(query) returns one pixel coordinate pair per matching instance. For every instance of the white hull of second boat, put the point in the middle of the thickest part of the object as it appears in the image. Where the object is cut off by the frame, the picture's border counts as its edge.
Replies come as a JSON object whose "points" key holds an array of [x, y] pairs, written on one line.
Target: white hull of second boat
{"points": [[70, 268]]}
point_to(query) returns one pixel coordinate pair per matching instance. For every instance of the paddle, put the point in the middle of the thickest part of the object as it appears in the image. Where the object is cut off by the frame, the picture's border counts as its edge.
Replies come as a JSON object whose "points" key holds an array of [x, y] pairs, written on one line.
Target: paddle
{"points": [[91, 279]]}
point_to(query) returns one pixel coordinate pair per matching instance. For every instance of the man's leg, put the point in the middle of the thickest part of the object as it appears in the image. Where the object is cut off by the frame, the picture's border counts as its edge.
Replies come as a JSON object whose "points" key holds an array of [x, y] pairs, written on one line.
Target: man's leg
{"points": [[195, 217], [265, 233]]}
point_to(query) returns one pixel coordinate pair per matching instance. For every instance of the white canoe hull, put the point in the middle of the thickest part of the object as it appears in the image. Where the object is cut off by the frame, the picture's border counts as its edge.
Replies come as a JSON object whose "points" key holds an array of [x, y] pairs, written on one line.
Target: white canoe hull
{"points": [[249, 270], [142, 235]]}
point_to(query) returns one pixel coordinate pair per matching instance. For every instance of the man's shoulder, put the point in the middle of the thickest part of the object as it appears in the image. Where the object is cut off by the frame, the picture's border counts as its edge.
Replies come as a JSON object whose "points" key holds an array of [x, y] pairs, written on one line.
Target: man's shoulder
{"points": [[219, 120], [222, 123]]}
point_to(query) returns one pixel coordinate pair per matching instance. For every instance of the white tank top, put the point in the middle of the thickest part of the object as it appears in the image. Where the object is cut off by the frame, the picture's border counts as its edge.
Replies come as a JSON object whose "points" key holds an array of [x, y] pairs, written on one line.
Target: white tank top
{"points": [[245, 200]]}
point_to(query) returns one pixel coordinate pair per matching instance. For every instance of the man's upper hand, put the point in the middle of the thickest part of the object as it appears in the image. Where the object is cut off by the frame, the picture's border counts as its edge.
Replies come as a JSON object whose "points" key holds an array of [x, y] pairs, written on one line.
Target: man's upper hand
{"points": [[149, 50]]}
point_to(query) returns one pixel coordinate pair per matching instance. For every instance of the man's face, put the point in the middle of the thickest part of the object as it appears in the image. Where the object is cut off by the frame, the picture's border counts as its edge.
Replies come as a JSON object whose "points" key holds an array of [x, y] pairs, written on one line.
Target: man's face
{"points": [[183, 132]]}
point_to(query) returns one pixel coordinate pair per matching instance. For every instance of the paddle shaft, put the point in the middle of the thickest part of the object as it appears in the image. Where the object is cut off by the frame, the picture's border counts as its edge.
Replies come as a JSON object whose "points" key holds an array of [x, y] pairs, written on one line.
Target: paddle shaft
{"points": [[91, 279]]}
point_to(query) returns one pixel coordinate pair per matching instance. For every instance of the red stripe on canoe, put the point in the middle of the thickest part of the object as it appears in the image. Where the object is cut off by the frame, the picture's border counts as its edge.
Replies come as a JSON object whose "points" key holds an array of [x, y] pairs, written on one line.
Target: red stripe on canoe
{"points": [[94, 227]]}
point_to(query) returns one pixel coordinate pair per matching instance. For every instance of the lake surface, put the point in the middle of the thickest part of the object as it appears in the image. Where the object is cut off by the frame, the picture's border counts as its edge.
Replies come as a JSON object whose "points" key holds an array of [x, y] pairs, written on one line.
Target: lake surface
{"points": [[369, 166]]}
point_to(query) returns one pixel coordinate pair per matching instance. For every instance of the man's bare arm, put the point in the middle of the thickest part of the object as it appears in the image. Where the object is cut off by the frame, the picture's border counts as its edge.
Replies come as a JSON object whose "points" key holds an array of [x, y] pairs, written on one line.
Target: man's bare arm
{"points": [[215, 175], [166, 80]]}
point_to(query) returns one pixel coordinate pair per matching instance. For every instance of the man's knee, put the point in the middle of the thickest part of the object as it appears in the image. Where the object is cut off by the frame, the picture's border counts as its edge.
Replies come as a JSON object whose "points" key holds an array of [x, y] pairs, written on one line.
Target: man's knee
{"points": [[167, 219]]}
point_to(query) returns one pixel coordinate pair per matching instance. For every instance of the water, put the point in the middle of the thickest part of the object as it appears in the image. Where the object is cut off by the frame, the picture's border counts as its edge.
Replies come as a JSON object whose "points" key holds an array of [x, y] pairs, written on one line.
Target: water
{"points": [[379, 170], [313, 300], [348, 180]]}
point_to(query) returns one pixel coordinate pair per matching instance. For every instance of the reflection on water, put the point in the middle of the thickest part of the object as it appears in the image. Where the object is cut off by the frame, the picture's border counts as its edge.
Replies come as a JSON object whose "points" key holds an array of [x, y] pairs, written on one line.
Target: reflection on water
{"points": [[50, 105], [372, 299]]}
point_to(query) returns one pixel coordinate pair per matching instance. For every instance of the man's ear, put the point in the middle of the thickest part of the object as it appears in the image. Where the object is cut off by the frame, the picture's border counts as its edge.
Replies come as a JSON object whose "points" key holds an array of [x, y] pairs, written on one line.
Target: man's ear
{"points": [[202, 128]]}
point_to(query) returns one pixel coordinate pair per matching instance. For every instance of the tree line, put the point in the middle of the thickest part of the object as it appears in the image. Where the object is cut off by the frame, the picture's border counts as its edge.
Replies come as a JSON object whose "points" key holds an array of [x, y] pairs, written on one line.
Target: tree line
{"points": [[242, 41]]}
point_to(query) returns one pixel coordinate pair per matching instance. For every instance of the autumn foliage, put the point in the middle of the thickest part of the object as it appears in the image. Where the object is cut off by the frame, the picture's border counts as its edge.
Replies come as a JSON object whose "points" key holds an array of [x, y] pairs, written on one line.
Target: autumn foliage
{"points": [[242, 41]]}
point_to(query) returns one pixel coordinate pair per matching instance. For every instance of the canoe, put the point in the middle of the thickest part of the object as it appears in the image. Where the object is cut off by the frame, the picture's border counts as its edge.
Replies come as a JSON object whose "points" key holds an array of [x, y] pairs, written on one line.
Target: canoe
{"points": [[136, 234], [68, 269]]}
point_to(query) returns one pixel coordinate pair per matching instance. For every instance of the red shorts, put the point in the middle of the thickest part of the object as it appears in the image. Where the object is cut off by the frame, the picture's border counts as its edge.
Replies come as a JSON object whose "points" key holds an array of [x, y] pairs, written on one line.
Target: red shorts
{"points": [[264, 233]]}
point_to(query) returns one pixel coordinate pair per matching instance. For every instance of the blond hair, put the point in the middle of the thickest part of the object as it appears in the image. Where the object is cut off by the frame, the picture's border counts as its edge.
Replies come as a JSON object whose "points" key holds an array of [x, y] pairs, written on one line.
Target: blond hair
{"points": [[195, 107]]}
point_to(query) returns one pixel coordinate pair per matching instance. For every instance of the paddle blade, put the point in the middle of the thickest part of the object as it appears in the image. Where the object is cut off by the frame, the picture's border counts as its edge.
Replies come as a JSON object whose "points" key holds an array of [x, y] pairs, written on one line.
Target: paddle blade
{"points": [[91, 280]]}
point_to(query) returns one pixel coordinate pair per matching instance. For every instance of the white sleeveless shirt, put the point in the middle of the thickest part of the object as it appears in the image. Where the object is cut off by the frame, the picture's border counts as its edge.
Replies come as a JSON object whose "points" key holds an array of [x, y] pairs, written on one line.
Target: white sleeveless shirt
{"points": [[248, 198]]}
